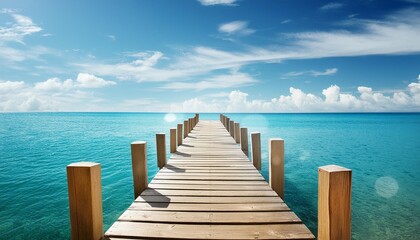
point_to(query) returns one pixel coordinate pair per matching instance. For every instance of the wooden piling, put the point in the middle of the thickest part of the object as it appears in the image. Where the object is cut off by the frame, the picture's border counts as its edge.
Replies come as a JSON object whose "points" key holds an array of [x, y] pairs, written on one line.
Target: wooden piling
{"points": [[186, 128], [256, 149], [197, 117], [237, 133], [232, 128], [276, 161], [85, 200], [172, 135], [139, 166], [244, 140], [161, 149], [179, 133], [334, 203]]}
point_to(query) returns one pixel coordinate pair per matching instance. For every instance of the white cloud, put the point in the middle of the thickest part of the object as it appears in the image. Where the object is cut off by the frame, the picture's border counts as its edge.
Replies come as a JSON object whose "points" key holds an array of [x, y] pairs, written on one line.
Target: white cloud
{"points": [[111, 37], [54, 84], [86, 80], [22, 27], [327, 72], [236, 27], [232, 80], [397, 34], [332, 100], [6, 86], [286, 21], [332, 5], [218, 2], [83, 80]]}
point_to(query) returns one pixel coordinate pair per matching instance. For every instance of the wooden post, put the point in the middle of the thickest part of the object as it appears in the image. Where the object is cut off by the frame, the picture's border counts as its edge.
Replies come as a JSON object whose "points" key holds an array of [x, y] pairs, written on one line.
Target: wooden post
{"points": [[276, 172], [139, 165], [197, 116], [172, 135], [244, 140], [334, 203], [161, 149], [232, 128], [227, 123], [256, 149], [179, 133], [85, 200], [186, 128], [237, 133], [190, 125]]}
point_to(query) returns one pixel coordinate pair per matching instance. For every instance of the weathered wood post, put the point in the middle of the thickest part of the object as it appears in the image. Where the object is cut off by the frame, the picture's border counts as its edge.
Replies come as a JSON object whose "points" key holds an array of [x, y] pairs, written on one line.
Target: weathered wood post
{"points": [[139, 165], [186, 128], [85, 200], [244, 140], [227, 123], [237, 133], [256, 149], [197, 117], [276, 172], [334, 203], [179, 133], [172, 135], [161, 149], [232, 128]]}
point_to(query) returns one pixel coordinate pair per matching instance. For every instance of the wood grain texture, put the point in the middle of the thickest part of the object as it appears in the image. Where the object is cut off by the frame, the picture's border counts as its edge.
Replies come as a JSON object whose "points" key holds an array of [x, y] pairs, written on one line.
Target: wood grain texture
{"points": [[139, 166], [334, 203], [85, 200], [208, 189], [276, 165]]}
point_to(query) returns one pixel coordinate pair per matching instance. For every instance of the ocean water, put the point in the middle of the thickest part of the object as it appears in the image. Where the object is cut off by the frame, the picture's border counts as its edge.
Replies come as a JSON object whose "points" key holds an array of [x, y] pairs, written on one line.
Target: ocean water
{"points": [[383, 150]]}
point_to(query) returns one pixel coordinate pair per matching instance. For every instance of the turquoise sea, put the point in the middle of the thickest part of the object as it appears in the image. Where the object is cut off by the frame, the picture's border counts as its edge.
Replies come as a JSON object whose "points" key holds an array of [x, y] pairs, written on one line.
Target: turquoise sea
{"points": [[383, 150]]}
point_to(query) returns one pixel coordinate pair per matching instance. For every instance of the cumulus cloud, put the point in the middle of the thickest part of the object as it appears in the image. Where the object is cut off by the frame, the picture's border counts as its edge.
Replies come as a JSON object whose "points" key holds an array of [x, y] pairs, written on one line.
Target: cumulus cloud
{"points": [[331, 100], [236, 27], [6, 86], [218, 2], [86, 80], [83, 80], [53, 94]]}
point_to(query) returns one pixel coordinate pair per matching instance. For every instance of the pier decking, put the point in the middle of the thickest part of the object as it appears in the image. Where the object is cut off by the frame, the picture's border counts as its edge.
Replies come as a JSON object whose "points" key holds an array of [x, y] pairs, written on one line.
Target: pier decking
{"points": [[208, 189]]}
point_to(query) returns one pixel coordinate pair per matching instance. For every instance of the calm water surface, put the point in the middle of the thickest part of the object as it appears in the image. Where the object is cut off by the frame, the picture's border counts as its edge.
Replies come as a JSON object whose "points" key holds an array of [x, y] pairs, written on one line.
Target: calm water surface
{"points": [[383, 150]]}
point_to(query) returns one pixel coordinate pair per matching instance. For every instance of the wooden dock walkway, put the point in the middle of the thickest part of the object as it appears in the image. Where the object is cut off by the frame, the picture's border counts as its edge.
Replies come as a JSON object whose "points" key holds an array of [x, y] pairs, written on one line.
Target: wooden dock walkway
{"points": [[208, 189]]}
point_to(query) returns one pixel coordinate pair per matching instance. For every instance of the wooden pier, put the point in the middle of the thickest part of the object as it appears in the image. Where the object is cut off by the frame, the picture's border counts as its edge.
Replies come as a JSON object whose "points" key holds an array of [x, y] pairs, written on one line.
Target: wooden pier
{"points": [[209, 189]]}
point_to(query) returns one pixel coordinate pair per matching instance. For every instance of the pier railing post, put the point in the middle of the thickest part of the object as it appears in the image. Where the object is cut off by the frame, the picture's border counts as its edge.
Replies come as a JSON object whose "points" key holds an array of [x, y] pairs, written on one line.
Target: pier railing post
{"points": [[139, 165], [232, 128], [161, 149], [179, 133], [197, 118], [244, 140], [276, 154], [85, 200], [256, 149], [172, 135], [334, 203], [227, 123], [237, 132], [186, 128]]}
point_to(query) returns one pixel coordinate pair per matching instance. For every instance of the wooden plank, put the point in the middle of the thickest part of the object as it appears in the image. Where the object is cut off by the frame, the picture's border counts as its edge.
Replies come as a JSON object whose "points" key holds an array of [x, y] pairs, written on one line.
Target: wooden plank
{"points": [[206, 182], [211, 187], [200, 231], [203, 193], [200, 199], [210, 217], [208, 207]]}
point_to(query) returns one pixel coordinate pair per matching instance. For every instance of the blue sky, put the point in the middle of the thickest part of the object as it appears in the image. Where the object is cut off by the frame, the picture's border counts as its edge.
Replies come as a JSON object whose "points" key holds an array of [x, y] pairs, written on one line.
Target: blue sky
{"points": [[210, 56]]}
